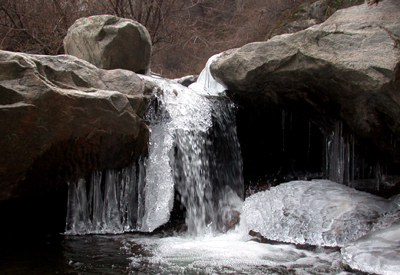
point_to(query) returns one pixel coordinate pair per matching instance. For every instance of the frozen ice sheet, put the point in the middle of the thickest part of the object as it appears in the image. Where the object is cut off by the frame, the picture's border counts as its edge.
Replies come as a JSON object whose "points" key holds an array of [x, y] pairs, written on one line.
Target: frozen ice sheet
{"points": [[377, 252], [318, 212]]}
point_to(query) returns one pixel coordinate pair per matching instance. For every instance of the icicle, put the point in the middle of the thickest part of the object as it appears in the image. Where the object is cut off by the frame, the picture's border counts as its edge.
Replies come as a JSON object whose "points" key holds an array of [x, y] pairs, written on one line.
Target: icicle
{"points": [[283, 130], [309, 143], [77, 212], [116, 210], [111, 209], [353, 157], [96, 202], [338, 156]]}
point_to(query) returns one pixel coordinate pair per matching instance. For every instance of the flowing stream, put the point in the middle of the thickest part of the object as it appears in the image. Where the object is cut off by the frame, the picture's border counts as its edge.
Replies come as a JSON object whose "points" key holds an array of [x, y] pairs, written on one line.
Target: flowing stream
{"points": [[194, 158]]}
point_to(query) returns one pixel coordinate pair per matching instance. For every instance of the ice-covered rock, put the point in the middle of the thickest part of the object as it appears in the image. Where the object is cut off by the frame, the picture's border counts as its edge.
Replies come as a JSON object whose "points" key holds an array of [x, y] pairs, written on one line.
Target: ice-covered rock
{"points": [[206, 83], [377, 252], [396, 199], [318, 212]]}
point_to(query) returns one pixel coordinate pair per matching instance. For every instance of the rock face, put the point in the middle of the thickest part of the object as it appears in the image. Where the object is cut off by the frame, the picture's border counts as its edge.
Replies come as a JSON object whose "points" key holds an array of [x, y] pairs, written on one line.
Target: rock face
{"points": [[347, 68], [110, 42], [307, 15], [62, 117]]}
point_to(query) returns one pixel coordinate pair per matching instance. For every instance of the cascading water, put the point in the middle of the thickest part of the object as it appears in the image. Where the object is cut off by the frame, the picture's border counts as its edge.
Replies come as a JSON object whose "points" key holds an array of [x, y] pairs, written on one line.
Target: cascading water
{"points": [[185, 128], [193, 148], [194, 152]]}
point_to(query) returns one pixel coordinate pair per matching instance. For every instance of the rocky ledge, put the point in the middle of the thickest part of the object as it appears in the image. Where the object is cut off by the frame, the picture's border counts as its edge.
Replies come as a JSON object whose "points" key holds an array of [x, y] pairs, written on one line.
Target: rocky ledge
{"points": [[62, 117], [347, 68]]}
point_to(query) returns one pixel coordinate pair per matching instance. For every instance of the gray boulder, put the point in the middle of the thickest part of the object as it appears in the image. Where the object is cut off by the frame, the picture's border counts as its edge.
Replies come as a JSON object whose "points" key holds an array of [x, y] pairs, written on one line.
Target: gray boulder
{"points": [[110, 42], [62, 117], [346, 68]]}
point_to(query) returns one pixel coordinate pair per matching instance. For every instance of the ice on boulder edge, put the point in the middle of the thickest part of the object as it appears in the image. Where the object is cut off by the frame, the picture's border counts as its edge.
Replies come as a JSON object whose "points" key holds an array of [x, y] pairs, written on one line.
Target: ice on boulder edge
{"points": [[377, 252], [318, 212], [206, 84]]}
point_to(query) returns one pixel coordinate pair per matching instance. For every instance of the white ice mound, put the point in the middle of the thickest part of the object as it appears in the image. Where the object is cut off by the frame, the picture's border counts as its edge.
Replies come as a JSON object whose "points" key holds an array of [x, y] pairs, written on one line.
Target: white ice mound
{"points": [[318, 212], [377, 252], [206, 84]]}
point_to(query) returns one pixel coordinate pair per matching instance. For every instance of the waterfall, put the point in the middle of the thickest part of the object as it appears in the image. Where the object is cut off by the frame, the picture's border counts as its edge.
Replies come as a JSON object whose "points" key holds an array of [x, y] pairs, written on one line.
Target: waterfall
{"points": [[208, 171], [193, 150]]}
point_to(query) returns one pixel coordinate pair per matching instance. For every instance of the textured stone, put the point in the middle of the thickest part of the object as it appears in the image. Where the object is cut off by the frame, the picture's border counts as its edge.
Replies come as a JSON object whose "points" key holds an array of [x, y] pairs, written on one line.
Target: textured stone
{"points": [[346, 68], [110, 42], [62, 117]]}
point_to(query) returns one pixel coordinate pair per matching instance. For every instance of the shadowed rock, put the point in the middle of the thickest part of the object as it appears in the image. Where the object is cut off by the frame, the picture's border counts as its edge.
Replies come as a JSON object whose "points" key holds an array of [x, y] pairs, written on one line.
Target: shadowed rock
{"points": [[62, 117], [346, 68]]}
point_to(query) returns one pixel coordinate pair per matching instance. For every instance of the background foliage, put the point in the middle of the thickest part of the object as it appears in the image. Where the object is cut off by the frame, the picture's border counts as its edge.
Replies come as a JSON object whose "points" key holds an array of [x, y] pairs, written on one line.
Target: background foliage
{"points": [[185, 33]]}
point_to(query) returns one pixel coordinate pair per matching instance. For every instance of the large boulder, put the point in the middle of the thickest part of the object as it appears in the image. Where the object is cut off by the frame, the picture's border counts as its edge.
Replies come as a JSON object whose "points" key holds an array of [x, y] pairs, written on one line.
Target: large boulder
{"points": [[347, 68], [317, 212], [62, 117], [110, 42]]}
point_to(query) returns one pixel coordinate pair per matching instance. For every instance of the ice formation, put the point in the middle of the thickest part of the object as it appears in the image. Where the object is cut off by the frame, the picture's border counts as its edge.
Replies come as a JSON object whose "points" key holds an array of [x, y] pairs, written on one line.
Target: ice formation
{"points": [[206, 84], [377, 252], [178, 109], [317, 212], [111, 202], [193, 148], [231, 253]]}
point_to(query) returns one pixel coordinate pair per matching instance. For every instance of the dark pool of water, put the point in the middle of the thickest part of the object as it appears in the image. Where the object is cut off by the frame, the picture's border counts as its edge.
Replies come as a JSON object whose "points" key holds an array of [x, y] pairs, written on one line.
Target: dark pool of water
{"points": [[143, 254]]}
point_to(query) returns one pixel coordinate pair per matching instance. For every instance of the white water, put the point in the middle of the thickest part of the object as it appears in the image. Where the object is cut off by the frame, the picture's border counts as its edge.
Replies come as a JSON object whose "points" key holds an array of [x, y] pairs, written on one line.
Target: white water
{"points": [[188, 133], [177, 109], [319, 212], [232, 253], [206, 84], [193, 150]]}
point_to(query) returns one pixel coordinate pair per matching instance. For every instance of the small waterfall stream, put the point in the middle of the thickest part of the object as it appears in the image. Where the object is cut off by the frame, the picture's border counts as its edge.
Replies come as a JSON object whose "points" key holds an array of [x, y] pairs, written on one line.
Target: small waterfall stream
{"points": [[193, 149], [194, 157]]}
